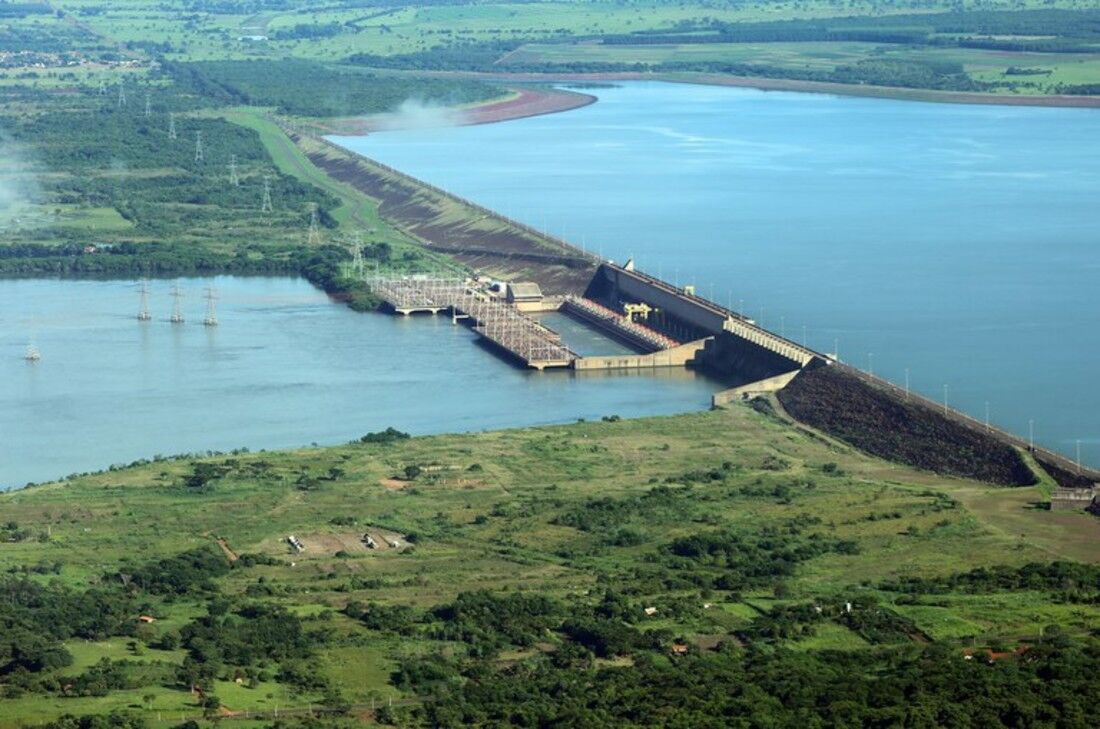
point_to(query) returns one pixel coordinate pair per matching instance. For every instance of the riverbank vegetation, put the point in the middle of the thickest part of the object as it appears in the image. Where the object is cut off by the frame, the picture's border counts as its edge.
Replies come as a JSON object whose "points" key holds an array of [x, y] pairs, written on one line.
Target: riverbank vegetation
{"points": [[596, 572]]}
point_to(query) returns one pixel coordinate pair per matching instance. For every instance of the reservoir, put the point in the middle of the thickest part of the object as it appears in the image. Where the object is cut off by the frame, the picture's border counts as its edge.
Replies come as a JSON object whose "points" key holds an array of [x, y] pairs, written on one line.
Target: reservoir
{"points": [[957, 243], [285, 367]]}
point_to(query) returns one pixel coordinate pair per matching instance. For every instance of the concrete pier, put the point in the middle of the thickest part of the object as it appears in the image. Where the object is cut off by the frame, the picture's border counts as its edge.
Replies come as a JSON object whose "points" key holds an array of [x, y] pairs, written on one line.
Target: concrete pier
{"points": [[500, 323]]}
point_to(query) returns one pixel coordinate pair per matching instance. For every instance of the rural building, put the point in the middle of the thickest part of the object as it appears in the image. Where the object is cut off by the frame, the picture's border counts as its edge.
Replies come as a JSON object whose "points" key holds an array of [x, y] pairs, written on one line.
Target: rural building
{"points": [[1072, 498]]}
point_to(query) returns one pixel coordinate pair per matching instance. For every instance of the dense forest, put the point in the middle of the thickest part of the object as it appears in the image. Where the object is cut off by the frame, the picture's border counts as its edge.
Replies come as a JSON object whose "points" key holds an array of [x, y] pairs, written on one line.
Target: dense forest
{"points": [[307, 88]]}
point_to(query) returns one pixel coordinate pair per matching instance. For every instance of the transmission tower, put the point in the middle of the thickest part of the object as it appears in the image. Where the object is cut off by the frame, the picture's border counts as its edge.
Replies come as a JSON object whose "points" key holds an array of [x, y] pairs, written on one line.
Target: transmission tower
{"points": [[357, 254], [313, 237], [177, 306], [148, 105], [143, 308], [199, 157], [171, 125], [233, 179], [266, 206], [121, 94], [211, 318]]}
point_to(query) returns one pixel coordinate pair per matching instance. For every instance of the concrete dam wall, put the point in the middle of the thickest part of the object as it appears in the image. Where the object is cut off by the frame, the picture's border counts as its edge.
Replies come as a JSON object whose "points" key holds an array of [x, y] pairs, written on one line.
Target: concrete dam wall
{"points": [[735, 348]]}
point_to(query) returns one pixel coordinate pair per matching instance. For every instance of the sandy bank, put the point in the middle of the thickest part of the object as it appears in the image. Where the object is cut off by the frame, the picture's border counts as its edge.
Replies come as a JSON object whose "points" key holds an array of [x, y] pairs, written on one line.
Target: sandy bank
{"points": [[521, 103]]}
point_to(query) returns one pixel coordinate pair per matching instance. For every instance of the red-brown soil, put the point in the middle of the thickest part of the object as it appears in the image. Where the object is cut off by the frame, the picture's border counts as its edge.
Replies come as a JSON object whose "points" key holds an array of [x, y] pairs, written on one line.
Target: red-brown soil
{"points": [[529, 102], [525, 102]]}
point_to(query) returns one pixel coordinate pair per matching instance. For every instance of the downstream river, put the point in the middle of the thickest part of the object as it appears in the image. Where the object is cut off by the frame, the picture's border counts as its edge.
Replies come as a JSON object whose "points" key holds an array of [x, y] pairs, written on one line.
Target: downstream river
{"points": [[959, 242], [285, 367]]}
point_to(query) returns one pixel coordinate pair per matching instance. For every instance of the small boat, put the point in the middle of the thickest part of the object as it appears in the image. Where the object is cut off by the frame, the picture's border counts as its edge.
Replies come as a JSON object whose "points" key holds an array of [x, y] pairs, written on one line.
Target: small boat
{"points": [[32, 354]]}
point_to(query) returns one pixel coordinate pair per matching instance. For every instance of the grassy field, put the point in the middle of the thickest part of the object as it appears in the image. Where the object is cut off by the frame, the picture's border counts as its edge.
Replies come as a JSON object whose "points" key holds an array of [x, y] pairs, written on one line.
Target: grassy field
{"points": [[485, 513]]}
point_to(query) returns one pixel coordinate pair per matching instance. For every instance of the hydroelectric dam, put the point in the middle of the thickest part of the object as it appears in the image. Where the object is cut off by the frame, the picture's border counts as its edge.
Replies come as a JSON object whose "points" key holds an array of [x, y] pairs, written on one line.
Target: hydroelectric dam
{"points": [[666, 326]]}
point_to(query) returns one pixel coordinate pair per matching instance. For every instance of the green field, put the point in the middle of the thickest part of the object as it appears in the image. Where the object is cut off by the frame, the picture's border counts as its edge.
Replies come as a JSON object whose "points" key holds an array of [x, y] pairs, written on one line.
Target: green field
{"points": [[491, 511]]}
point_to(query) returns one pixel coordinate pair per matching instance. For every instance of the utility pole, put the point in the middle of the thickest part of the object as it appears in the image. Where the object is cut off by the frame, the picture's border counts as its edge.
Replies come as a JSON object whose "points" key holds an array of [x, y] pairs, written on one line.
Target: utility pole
{"points": [[265, 206], [945, 399], [987, 415], [143, 308], [199, 156], [906, 383], [211, 318], [177, 307], [102, 86], [233, 179], [171, 125], [148, 106], [1031, 434], [121, 94], [1078, 456]]}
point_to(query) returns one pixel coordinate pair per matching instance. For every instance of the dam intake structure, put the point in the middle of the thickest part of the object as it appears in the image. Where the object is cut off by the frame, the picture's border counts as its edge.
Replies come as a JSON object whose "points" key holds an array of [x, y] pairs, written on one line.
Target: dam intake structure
{"points": [[500, 323], [666, 326]]}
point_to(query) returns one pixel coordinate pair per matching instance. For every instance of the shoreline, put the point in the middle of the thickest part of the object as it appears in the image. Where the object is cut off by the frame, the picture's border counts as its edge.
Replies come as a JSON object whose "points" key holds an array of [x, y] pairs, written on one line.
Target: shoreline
{"points": [[897, 93], [521, 103]]}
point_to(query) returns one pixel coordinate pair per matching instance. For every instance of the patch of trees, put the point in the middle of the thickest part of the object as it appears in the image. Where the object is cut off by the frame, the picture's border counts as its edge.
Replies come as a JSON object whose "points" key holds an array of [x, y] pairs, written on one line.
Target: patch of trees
{"points": [[255, 632], [36, 618], [1065, 577], [933, 686], [385, 437], [112, 720], [308, 88], [488, 621], [400, 619], [606, 514], [729, 560], [181, 574], [310, 30], [1065, 30]]}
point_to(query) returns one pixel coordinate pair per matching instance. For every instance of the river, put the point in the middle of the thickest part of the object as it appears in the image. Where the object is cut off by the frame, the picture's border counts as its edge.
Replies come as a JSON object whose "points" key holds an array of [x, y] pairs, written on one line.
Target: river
{"points": [[958, 243], [285, 367]]}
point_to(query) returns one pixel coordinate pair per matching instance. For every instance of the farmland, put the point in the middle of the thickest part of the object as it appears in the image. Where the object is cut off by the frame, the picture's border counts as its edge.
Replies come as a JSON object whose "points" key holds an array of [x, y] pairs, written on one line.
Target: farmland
{"points": [[568, 514]]}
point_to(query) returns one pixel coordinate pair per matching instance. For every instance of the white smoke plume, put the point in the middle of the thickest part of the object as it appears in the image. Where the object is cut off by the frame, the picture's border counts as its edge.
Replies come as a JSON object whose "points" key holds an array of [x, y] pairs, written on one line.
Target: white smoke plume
{"points": [[17, 184], [416, 114]]}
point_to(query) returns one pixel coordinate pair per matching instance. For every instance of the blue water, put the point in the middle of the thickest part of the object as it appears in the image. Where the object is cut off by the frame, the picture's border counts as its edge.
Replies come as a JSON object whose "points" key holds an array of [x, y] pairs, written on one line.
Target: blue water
{"points": [[285, 367], [960, 242]]}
